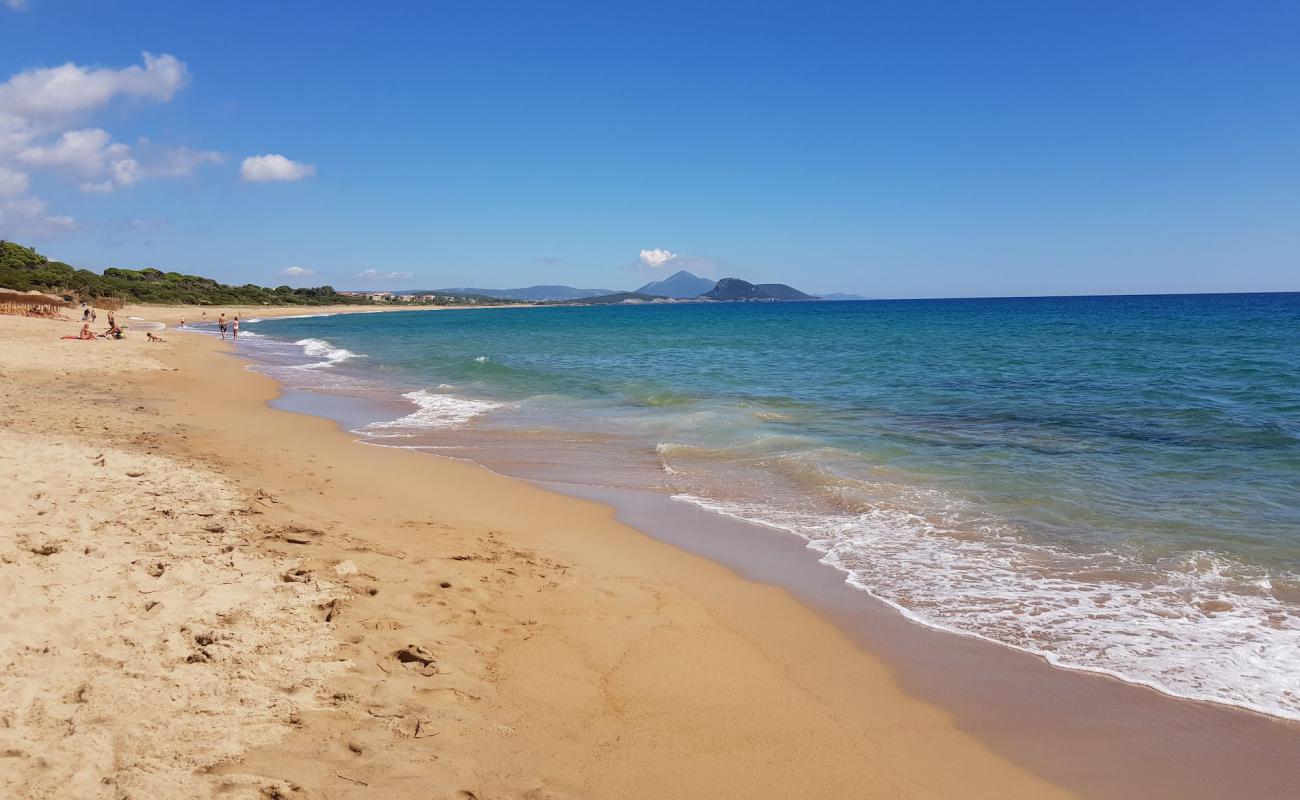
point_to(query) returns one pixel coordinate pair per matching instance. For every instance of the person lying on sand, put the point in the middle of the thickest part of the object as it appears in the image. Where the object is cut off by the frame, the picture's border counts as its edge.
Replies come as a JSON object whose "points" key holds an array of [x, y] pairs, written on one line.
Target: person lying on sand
{"points": [[150, 336]]}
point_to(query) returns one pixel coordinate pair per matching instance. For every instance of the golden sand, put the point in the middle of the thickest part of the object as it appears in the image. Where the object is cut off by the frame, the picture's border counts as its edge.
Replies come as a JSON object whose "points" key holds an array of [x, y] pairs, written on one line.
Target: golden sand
{"points": [[201, 596]]}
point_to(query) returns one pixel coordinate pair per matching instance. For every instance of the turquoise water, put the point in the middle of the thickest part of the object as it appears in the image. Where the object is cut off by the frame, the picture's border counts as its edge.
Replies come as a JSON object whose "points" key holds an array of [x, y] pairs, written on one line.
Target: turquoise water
{"points": [[1112, 482]]}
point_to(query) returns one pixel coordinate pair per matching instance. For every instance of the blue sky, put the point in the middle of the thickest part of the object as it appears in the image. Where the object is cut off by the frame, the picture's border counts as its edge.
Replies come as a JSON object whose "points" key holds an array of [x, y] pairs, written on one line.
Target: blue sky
{"points": [[902, 149]]}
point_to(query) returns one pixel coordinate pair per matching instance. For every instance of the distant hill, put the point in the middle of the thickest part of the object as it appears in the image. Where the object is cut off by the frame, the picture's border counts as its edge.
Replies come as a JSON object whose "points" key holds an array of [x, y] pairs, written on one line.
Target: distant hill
{"points": [[680, 284], [842, 296], [736, 289], [533, 293], [618, 297]]}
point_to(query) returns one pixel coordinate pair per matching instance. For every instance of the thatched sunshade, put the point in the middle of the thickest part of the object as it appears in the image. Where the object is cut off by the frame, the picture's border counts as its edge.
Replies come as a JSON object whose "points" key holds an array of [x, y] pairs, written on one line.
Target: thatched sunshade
{"points": [[13, 301]]}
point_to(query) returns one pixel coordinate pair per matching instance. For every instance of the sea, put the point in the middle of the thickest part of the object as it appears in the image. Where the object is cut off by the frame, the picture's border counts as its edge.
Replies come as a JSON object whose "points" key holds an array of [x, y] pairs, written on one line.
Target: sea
{"points": [[1112, 483]]}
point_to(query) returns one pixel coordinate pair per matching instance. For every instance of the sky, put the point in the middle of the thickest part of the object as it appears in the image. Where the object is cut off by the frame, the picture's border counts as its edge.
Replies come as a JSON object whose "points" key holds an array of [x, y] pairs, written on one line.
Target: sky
{"points": [[892, 149]]}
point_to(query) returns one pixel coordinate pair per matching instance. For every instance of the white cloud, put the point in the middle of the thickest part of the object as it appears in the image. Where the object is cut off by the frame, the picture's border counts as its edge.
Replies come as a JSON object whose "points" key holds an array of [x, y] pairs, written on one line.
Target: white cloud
{"points": [[50, 93], [17, 5], [656, 258], [12, 181], [86, 152], [296, 272], [91, 153], [386, 276], [39, 112], [274, 167], [29, 217]]}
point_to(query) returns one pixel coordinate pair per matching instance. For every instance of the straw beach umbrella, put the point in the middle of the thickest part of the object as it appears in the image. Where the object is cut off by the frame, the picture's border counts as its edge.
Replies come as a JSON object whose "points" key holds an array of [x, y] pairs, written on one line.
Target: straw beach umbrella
{"points": [[13, 301]]}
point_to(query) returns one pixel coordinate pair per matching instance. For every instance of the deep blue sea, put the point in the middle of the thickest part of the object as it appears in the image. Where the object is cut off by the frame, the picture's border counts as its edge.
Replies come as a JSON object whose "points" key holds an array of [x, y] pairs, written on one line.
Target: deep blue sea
{"points": [[1111, 482]]}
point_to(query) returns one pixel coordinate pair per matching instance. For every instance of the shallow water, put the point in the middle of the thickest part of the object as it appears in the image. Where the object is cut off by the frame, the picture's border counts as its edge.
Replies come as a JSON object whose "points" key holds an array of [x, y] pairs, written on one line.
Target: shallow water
{"points": [[1111, 482]]}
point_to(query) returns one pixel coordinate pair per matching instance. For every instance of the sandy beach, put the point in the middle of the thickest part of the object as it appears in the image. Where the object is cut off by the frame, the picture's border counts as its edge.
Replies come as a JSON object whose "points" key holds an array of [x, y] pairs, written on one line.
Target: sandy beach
{"points": [[205, 596]]}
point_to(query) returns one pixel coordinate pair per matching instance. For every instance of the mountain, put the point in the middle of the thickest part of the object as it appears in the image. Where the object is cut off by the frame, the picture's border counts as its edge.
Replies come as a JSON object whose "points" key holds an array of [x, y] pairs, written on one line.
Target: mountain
{"points": [[680, 284], [736, 289], [535, 293]]}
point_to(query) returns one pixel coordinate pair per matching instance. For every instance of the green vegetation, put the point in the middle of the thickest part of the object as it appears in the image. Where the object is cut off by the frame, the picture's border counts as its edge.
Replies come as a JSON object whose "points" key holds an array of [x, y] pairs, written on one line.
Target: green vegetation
{"points": [[22, 268]]}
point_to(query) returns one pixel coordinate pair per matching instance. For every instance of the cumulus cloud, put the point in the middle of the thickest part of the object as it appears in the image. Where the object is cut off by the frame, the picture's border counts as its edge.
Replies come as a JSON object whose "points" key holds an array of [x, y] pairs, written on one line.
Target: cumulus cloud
{"points": [[50, 93], [274, 167], [660, 259], [375, 274], [91, 153], [296, 272], [39, 114], [656, 258]]}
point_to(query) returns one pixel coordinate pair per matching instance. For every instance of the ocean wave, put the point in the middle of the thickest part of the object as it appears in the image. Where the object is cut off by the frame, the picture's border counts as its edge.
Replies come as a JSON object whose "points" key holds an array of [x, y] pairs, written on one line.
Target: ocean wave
{"points": [[435, 410], [321, 348], [1202, 626]]}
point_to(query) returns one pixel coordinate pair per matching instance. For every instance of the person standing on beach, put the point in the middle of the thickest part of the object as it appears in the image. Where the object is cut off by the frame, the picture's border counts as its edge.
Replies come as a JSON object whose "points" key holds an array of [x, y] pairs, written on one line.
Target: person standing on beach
{"points": [[221, 324], [234, 330]]}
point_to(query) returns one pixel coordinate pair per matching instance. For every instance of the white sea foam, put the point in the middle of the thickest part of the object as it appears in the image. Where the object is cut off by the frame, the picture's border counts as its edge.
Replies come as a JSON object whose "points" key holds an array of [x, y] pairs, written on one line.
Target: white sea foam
{"points": [[321, 348], [481, 359], [1199, 627], [435, 410]]}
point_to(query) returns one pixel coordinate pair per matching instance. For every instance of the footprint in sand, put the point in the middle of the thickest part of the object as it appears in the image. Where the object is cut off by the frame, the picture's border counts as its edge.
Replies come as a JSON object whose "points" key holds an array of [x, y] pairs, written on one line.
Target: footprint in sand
{"points": [[418, 659]]}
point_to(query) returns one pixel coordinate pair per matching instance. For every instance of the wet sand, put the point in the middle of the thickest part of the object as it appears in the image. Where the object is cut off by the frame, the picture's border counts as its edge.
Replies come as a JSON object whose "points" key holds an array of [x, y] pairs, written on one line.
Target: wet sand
{"points": [[455, 633], [1091, 733], [1060, 723]]}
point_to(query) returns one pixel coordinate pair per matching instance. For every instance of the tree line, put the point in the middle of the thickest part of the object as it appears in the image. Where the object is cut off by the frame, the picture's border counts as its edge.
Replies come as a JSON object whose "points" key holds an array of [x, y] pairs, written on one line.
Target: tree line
{"points": [[24, 269]]}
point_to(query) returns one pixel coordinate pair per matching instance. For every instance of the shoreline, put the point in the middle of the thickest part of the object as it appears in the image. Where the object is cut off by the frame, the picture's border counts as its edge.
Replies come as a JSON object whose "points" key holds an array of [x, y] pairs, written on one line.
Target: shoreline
{"points": [[568, 654], [171, 315], [1154, 742], [504, 455], [1114, 720]]}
